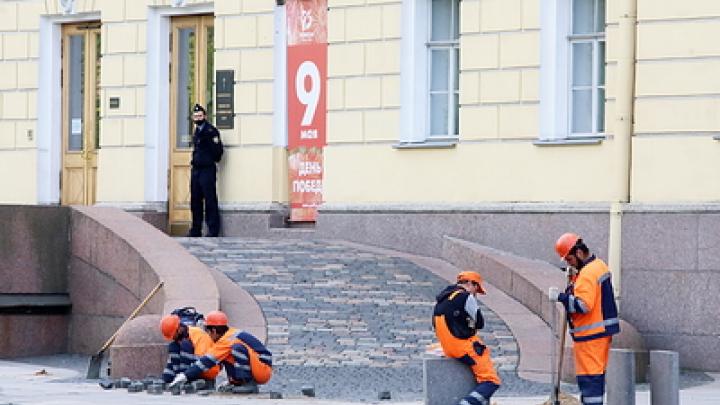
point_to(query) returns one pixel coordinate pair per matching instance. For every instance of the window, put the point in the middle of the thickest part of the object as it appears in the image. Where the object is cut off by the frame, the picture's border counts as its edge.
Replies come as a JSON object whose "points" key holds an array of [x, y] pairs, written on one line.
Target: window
{"points": [[572, 70], [443, 68], [587, 81], [429, 104]]}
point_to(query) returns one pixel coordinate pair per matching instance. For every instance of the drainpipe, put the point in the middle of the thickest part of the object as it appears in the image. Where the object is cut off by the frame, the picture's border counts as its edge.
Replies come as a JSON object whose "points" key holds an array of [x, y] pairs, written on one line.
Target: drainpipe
{"points": [[624, 103]]}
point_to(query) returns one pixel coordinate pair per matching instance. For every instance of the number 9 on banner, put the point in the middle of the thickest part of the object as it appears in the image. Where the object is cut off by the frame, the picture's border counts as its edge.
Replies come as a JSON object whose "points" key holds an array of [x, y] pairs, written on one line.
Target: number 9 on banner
{"points": [[308, 97]]}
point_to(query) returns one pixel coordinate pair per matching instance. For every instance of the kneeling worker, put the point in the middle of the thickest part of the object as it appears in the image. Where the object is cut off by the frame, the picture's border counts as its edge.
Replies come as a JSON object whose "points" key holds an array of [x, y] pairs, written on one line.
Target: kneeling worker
{"points": [[187, 344], [456, 319], [245, 359]]}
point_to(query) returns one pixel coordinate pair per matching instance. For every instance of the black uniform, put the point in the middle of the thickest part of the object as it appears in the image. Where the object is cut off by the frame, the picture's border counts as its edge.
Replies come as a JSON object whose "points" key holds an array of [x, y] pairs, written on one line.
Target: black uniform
{"points": [[207, 150]]}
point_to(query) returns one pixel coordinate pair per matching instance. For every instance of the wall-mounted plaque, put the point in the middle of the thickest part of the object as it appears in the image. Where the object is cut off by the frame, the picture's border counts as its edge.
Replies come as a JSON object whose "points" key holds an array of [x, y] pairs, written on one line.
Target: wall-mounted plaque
{"points": [[225, 99]]}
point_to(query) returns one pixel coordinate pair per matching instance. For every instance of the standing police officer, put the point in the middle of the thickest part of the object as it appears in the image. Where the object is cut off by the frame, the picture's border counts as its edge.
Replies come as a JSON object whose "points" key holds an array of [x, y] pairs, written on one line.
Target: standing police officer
{"points": [[207, 151]]}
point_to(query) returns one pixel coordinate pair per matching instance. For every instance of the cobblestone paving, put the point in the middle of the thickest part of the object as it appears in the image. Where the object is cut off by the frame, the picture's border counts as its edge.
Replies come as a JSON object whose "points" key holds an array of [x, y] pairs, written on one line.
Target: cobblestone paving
{"points": [[348, 322]]}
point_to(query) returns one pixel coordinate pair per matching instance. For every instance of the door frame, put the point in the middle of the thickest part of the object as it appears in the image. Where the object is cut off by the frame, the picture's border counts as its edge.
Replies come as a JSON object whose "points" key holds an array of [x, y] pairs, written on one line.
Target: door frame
{"points": [[179, 158], [157, 118], [49, 105]]}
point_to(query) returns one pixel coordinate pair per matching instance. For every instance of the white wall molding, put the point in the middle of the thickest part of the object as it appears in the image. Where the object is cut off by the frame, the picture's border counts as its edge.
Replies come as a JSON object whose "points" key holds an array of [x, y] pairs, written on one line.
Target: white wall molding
{"points": [[555, 25], [157, 118], [413, 71], [49, 105]]}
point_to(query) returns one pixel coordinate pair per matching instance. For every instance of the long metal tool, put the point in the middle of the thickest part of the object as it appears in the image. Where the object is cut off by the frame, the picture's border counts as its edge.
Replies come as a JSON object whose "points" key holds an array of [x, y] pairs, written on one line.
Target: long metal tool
{"points": [[93, 371], [555, 397], [556, 388]]}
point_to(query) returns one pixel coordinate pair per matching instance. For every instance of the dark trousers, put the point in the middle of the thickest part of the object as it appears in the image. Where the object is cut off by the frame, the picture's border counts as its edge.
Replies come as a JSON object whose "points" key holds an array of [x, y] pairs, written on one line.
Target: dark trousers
{"points": [[203, 189]]}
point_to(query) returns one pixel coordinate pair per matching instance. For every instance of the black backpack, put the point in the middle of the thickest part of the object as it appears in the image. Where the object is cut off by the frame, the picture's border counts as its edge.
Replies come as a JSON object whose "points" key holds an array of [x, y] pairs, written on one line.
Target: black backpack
{"points": [[189, 316]]}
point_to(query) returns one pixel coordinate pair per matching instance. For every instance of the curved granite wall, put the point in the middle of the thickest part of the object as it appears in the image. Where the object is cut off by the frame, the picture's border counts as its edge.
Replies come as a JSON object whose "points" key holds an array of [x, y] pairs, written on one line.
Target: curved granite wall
{"points": [[107, 261]]}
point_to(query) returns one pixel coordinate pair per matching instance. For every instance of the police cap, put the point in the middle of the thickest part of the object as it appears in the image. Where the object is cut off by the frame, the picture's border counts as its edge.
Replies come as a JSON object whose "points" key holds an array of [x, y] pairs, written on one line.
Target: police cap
{"points": [[198, 108]]}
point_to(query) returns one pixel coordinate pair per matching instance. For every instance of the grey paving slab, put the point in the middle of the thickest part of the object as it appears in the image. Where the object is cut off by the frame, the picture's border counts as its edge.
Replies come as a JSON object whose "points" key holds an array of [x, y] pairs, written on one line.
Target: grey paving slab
{"points": [[63, 383]]}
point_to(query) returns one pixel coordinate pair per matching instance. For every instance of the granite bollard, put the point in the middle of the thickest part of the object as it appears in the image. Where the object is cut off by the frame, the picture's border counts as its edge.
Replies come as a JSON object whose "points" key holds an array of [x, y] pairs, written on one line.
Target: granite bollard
{"points": [[664, 377], [446, 381], [621, 377]]}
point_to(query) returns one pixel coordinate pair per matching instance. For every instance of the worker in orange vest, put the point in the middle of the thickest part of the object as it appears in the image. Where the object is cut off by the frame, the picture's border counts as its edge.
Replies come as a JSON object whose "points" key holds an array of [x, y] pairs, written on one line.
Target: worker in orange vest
{"points": [[456, 319], [187, 344], [592, 313], [244, 357]]}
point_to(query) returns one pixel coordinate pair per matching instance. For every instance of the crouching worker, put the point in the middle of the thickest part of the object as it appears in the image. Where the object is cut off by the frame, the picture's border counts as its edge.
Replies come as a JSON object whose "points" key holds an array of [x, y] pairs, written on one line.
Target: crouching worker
{"points": [[247, 362], [187, 344], [456, 319]]}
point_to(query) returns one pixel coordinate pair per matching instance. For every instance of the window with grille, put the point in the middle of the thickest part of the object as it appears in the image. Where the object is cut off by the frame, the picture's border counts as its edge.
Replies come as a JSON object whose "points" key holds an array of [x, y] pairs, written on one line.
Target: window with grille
{"points": [[443, 68], [587, 68]]}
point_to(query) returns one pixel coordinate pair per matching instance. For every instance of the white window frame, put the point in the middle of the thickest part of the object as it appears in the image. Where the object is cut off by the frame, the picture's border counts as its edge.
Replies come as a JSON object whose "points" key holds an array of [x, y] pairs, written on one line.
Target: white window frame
{"points": [[556, 73], [414, 76]]}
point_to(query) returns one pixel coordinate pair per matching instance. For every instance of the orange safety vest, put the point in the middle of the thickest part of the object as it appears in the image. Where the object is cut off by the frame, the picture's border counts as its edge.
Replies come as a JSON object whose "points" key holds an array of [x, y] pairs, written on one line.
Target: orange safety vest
{"points": [[597, 315], [202, 342], [221, 351]]}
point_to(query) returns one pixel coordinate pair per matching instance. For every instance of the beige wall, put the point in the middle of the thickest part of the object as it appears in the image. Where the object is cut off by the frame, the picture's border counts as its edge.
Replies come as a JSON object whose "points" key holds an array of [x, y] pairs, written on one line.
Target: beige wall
{"points": [[363, 74], [677, 88], [678, 102], [495, 160], [18, 98], [122, 131]]}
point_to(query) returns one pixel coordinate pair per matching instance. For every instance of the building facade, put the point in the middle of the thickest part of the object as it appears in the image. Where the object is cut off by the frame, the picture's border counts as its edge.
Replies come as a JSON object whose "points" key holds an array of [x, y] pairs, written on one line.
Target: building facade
{"points": [[503, 122]]}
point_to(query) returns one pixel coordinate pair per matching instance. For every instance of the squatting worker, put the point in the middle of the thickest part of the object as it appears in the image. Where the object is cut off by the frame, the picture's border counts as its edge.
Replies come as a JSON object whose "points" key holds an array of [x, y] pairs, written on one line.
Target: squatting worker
{"points": [[187, 344], [456, 319], [245, 359], [207, 151], [592, 315]]}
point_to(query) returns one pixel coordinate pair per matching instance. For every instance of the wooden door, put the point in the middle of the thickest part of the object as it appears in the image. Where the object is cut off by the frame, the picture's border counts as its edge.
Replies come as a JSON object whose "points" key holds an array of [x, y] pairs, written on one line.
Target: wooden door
{"points": [[80, 112], [191, 82]]}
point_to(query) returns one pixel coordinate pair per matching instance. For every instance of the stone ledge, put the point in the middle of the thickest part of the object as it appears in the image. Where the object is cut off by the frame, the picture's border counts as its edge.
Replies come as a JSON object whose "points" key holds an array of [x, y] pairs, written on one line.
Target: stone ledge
{"points": [[523, 279], [446, 381]]}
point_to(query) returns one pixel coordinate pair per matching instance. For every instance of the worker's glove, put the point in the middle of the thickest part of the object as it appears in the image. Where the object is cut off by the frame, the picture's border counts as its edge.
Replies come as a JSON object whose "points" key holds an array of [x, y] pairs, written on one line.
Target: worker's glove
{"points": [[179, 380], [553, 294]]}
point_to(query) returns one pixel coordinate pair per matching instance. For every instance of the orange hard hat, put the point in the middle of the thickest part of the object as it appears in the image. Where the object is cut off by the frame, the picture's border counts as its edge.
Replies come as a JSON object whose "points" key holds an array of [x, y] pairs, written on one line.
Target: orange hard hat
{"points": [[565, 243], [471, 276], [169, 326], [216, 318]]}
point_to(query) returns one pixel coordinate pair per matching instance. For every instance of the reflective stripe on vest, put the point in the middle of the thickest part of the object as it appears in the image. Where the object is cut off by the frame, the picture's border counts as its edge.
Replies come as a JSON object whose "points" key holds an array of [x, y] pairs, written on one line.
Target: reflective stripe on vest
{"points": [[608, 322]]}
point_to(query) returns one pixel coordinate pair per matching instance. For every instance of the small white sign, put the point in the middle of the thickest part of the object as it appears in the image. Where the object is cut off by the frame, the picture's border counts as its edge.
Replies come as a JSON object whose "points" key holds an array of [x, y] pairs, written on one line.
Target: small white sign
{"points": [[76, 126]]}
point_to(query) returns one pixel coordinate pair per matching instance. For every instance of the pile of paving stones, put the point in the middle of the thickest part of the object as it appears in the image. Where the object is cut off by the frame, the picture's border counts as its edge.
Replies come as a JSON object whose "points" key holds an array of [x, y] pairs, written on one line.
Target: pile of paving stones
{"points": [[155, 386], [351, 323]]}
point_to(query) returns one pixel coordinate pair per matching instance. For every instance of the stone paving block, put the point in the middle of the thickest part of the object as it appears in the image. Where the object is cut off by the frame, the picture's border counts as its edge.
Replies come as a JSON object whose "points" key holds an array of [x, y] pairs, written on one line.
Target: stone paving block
{"points": [[123, 383], [135, 386], [155, 389], [446, 381]]}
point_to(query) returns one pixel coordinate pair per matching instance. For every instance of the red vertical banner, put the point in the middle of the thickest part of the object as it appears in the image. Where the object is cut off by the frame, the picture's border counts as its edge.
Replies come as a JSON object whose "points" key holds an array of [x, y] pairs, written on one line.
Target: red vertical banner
{"points": [[307, 106]]}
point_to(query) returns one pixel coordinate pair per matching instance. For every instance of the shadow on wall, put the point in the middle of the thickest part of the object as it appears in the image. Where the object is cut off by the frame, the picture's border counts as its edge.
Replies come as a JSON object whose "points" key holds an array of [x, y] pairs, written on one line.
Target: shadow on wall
{"points": [[34, 299]]}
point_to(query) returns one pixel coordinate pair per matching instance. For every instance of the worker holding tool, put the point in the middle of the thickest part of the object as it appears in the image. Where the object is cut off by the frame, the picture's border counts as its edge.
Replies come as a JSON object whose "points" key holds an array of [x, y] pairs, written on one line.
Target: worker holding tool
{"points": [[244, 357], [187, 344], [456, 319], [589, 301]]}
